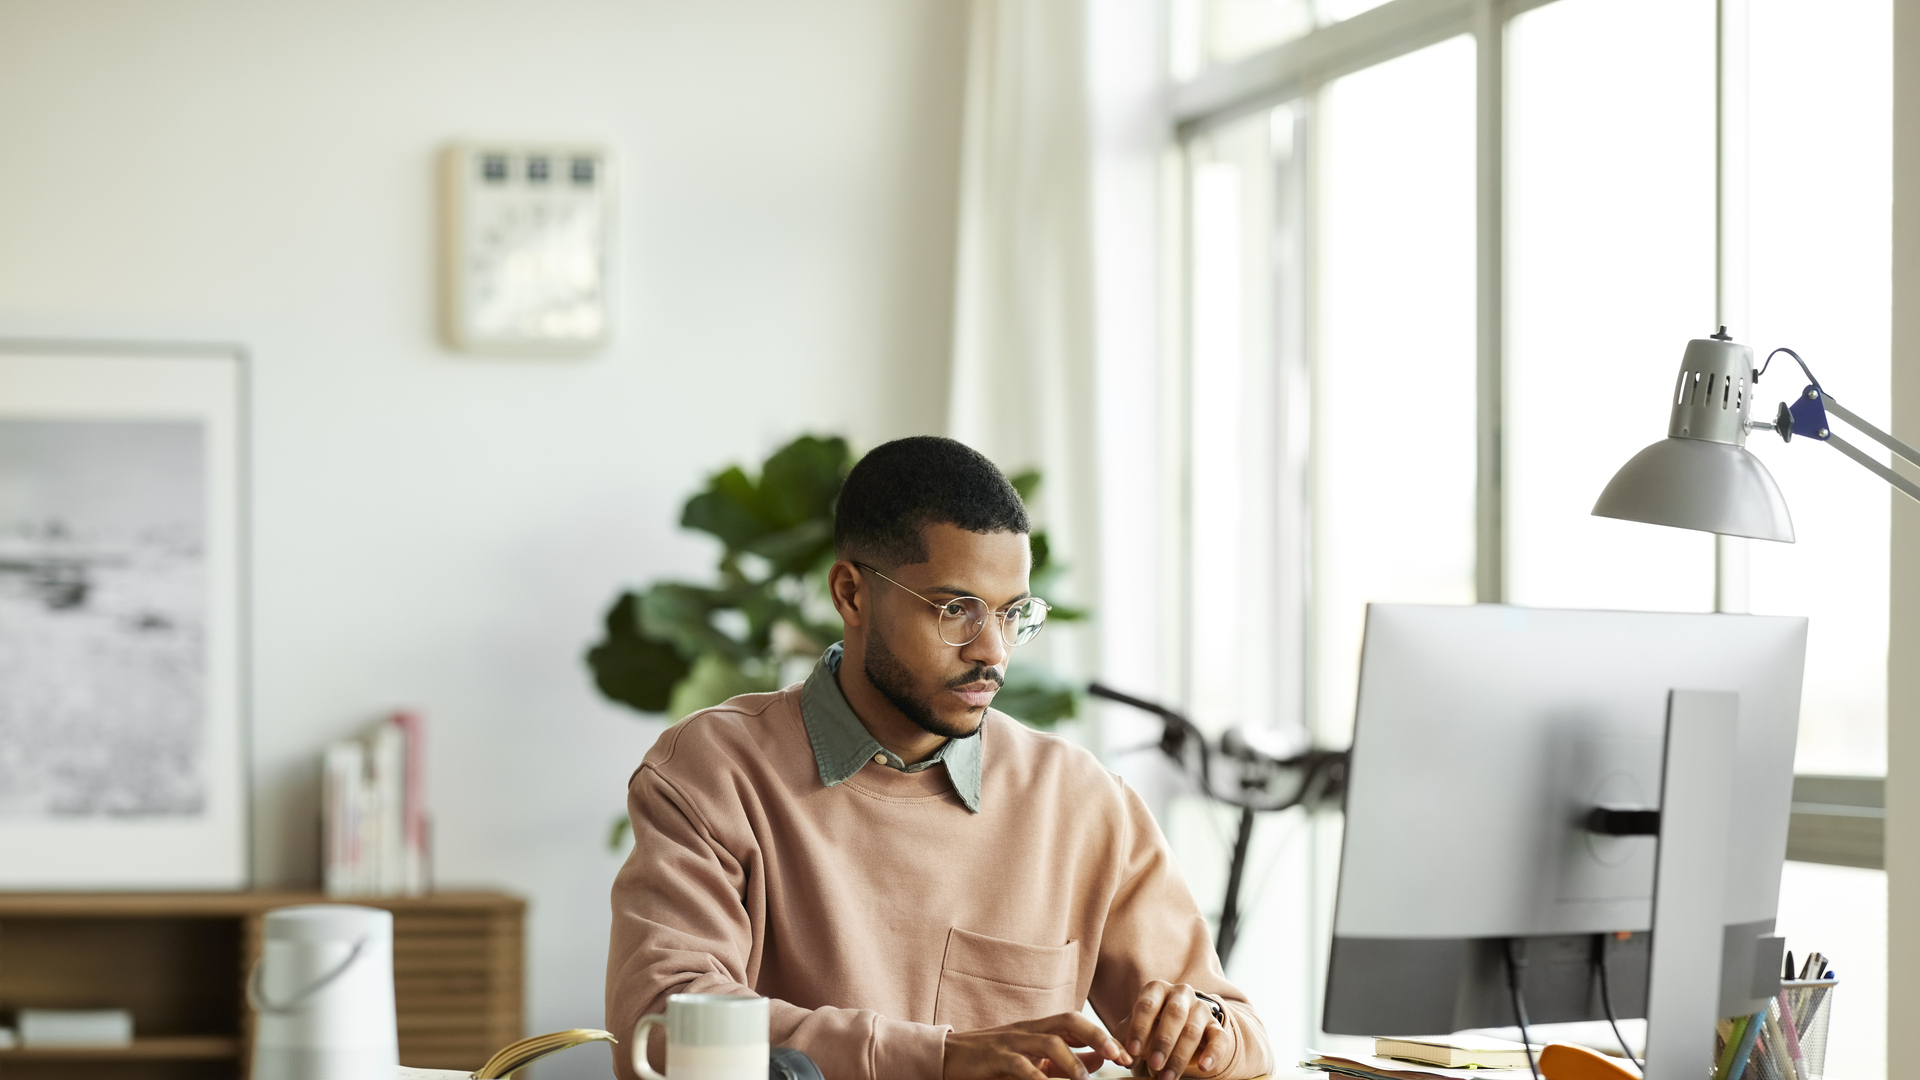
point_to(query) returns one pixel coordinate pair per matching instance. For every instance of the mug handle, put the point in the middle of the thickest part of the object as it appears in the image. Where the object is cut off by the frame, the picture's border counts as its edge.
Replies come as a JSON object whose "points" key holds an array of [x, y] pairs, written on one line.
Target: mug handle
{"points": [[639, 1047]]}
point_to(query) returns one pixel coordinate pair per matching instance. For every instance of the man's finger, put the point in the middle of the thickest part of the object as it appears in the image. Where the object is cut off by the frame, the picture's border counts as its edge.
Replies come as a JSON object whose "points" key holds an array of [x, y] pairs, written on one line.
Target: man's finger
{"points": [[1212, 1046], [1080, 1031], [1049, 1048], [1145, 1011], [1012, 1063], [1168, 1027], [1198, 1020]]}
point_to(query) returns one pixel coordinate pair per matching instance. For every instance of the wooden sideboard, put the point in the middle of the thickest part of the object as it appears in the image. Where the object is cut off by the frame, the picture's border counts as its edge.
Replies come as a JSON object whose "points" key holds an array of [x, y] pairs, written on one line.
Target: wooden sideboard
{"points": [[179, 962]]}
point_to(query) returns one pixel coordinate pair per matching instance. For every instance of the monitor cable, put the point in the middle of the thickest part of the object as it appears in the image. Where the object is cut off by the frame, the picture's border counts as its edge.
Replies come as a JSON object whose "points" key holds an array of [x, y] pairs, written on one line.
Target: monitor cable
{"points": [[1606, 998], [1516, 974]]}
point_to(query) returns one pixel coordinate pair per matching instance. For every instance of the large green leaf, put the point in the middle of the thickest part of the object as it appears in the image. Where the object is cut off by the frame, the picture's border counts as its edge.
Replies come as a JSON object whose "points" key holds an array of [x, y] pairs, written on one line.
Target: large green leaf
{"points": [[631, 668], [683, 615], [798, 549], [713, 680], [799, 482], [729, 509], [1026, 484], [1045, 577], [1036, 697]]}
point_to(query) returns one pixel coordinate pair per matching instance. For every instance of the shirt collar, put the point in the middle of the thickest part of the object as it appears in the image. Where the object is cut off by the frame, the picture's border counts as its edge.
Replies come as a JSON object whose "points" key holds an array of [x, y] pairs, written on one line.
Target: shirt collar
{"points": [[842, 745]]}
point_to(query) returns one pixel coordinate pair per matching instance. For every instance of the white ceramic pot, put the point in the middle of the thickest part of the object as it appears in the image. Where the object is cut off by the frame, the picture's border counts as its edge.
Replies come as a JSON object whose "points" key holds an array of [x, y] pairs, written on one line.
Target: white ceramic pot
{"points": [[323, 995]]}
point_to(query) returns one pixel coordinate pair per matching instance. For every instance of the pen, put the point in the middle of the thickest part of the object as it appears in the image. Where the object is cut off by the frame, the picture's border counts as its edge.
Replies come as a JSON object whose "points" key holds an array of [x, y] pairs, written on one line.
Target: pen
{"points": [[1744, 1048], [1779, 1049]]}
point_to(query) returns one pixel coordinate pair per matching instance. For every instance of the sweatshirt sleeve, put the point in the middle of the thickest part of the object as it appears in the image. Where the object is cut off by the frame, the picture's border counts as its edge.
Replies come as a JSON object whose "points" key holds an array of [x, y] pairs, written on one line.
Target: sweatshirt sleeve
{"points": [[680, 926], [1154, 930]]}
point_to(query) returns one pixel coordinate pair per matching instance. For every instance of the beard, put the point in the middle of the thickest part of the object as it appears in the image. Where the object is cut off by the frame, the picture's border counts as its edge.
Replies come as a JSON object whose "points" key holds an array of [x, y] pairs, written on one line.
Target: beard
{"points": [[895, 683]]}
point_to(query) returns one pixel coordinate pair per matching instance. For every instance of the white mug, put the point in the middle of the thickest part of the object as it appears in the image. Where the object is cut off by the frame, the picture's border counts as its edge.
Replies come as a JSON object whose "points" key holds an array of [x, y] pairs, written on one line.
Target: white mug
{"points": [[709, 1037]]}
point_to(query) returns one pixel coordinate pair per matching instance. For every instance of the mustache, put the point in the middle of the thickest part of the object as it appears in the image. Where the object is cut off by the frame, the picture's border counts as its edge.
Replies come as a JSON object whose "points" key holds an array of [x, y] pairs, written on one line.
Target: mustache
{"points": [[978, 674]]}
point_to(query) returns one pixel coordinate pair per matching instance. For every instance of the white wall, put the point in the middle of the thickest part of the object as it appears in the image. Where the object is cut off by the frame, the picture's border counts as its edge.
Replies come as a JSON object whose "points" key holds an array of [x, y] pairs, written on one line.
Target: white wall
{"points": [[442, 532]]}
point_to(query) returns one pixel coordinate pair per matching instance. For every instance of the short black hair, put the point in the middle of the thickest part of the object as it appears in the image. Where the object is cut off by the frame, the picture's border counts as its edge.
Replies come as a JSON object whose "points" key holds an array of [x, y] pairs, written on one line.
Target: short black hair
{"points": [[901, 487]]}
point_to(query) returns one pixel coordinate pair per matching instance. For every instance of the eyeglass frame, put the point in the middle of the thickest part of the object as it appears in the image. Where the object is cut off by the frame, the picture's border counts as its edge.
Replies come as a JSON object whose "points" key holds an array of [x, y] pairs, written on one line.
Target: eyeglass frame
{"points": [[1002, 615]]}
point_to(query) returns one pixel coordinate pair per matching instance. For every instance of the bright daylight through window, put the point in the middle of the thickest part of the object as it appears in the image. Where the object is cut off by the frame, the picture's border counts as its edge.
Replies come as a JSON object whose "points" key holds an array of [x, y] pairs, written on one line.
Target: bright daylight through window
{"points": [[1329, 368]]}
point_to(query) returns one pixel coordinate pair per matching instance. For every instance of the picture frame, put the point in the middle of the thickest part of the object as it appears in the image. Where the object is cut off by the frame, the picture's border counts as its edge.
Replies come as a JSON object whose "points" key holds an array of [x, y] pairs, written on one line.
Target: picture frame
{"points": [[123, 616]]}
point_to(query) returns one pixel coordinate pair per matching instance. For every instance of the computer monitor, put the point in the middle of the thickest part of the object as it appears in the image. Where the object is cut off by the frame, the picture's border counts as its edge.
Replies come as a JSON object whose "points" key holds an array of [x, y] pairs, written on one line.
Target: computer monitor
{"points": [[1484, 737]]}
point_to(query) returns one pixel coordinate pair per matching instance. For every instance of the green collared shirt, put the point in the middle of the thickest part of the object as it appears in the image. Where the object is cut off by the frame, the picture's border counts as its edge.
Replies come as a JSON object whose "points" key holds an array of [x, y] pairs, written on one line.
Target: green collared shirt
{"points": [[842, 745]]}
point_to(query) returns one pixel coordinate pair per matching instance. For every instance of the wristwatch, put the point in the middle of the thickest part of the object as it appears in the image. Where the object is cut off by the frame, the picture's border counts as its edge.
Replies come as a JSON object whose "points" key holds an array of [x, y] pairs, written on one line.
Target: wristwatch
{"points": [[1219, 1013]]}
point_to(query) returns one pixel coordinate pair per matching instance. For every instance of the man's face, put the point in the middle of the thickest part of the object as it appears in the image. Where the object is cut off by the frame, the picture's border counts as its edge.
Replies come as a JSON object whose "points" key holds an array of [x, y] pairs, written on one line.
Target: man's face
{"points": [[943, 688]]}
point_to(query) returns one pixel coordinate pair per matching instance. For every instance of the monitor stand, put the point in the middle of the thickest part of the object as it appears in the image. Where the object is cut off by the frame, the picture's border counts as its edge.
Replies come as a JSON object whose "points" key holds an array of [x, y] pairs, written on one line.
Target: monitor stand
{"points": [[1690, 883]]}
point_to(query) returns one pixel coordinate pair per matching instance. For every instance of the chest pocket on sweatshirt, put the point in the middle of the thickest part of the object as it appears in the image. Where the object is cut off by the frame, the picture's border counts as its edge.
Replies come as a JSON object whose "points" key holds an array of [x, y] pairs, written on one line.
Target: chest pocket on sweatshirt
{"points": [[986, 981]]}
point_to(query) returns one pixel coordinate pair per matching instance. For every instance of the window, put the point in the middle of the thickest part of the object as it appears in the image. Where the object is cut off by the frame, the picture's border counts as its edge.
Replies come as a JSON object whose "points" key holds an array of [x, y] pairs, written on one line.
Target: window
{"points": [[1610, 271], [1393, 493], [1819, 215], [1204, 33], [1237, 601], [1820, 211], [1336, 357]]}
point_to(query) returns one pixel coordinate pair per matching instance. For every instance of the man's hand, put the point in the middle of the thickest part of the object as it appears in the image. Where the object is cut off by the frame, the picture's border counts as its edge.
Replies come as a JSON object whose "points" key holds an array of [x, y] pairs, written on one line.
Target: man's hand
{"points": [[1170, 1027], [1031, 1050]]}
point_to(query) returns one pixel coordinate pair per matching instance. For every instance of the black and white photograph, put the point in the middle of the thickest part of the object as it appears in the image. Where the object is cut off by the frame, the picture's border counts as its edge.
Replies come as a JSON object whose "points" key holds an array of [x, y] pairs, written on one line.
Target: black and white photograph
{"points": [[122, 702], [102, 618]]}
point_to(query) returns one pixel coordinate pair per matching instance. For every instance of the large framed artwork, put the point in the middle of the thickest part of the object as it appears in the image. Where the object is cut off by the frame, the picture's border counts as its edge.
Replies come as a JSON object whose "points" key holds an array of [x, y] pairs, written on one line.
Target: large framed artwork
{"points": [[122, 608]]}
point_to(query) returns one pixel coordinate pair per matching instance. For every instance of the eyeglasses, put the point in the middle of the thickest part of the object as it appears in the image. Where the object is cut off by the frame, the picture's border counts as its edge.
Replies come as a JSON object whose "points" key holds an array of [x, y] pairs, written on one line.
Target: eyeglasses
{"points": [[962, 619]]}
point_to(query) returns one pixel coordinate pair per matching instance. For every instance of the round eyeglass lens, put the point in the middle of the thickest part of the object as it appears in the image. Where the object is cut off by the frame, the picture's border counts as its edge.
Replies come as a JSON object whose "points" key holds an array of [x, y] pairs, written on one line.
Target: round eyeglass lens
{"points": [[1024, 620], [962, 620]]}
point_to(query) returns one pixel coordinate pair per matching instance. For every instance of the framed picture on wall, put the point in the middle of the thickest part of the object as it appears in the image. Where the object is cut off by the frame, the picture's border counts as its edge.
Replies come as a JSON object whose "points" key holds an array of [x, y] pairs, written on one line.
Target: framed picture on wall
{"points": [[122, 617]]}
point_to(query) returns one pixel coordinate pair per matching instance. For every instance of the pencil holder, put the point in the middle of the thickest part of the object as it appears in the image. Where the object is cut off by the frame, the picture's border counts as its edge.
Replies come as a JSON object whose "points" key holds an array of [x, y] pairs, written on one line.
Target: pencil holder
{"points": [[1787, 1042]]}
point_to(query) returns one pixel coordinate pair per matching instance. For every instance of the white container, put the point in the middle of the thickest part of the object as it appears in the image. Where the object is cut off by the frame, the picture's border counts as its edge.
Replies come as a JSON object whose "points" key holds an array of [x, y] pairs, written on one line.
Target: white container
{"points": [[73, 1028], [323, 995], [709, 1037]]}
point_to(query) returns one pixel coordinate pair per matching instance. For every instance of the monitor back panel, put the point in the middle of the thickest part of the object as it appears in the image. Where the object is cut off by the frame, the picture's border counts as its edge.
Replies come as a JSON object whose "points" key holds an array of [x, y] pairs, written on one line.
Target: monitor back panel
{"points": [[1485, 734]]}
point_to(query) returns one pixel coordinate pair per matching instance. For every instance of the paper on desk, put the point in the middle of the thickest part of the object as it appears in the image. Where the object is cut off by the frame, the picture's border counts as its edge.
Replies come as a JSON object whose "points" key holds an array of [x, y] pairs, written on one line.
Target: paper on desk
{"points": [[432, 1074], [1393, 1069]]}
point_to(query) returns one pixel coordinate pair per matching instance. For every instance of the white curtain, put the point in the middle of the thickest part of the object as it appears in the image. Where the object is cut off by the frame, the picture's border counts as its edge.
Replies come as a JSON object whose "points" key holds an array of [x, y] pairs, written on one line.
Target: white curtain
{"points": [[1023, 369]]}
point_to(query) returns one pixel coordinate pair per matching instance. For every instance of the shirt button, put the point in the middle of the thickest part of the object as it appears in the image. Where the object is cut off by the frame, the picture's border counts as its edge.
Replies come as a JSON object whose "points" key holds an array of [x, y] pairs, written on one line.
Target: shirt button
{"points": [[879, 759]]}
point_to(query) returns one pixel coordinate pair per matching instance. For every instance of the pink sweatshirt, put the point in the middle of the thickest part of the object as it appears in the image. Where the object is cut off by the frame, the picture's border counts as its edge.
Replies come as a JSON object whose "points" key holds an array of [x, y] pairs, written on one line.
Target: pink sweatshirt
{"points": [[881, 913]]}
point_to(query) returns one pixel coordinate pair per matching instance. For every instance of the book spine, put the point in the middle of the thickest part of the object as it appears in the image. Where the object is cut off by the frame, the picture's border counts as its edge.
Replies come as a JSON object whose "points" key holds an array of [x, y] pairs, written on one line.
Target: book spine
{"points": [[413, 804], [345, 769], [389, 756], [329, 822]]}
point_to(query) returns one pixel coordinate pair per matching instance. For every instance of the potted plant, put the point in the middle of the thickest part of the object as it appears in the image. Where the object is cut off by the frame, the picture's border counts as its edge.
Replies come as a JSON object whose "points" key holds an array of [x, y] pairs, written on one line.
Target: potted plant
{"points": [[676, 647]]}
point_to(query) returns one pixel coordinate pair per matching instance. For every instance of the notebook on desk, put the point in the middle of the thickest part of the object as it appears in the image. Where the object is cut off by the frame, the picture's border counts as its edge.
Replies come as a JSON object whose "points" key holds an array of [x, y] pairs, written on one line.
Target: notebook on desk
{"points": [[1456, 1051], [1379, 1068], [514, 1056]]}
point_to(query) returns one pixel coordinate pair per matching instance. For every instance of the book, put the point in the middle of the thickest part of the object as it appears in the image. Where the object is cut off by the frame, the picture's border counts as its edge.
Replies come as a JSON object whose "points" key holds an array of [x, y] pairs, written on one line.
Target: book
{"points": [[1379, 1068], [75, 1028], [373, 812], [513, 1057], [1456, 1051]]}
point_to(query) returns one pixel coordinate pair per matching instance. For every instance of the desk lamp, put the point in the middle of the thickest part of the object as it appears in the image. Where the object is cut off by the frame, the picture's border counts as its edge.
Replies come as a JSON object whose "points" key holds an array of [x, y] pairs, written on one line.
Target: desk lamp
{"points": [[1702, 476]]}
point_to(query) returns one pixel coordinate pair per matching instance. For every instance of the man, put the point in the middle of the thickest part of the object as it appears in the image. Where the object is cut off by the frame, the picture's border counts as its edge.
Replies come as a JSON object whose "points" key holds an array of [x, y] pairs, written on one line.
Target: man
{"points": [[926, 889]]}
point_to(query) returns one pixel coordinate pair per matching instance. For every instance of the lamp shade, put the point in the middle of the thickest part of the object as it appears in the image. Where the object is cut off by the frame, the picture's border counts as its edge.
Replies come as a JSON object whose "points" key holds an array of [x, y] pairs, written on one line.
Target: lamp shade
{"points": [[1701, 476], [1698, 484]]}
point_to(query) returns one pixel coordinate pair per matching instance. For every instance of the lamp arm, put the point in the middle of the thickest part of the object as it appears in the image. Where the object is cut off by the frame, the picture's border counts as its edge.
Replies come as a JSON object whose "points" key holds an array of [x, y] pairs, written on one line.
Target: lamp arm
{"points": [[1873, 433], [1808, 416], [1912, 489]]}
